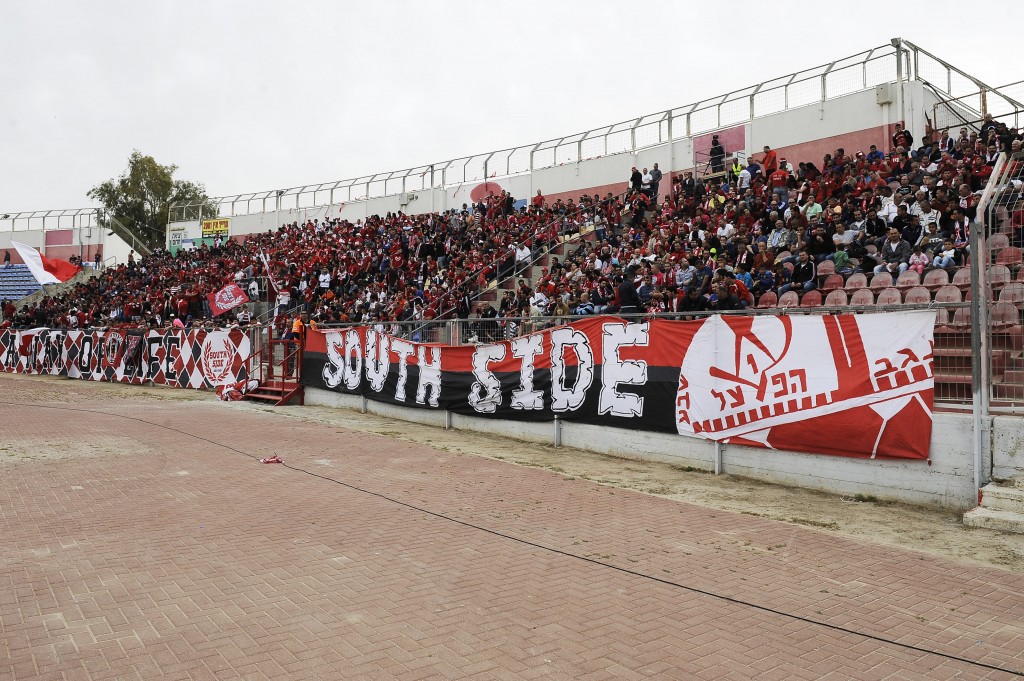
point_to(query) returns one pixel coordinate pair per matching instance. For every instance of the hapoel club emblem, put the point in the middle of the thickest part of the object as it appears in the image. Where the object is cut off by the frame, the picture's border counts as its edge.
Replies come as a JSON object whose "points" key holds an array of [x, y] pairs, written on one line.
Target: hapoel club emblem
{"points": [[217, 358], [113, 344]]}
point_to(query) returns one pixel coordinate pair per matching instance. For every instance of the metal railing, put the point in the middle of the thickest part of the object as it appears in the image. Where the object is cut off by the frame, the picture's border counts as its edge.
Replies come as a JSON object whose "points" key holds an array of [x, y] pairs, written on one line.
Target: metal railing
{"points": [[899, 61], [1005, 103], [85, 219]]}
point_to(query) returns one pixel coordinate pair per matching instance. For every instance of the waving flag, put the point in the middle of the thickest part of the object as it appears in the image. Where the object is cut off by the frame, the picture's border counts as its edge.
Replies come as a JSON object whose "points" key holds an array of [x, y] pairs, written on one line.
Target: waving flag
{"points": [[228, 298], [270, 273], [45, 270]]}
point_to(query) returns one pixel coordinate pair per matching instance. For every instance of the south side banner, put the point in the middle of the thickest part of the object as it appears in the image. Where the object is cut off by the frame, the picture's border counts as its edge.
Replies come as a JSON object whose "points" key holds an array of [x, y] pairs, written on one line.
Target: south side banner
{"points": [[848, 385], [181, 359]]}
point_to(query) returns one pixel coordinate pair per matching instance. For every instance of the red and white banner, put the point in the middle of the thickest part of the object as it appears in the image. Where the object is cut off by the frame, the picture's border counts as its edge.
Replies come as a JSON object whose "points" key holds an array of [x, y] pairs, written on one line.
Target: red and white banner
{"points": [[228, 298], [45, 270], [849, 385], [183, 359]]}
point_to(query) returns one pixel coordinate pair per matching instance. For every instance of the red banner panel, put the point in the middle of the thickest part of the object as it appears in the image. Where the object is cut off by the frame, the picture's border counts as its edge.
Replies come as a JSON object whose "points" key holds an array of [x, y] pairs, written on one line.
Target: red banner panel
{"points": [[849, 385]]}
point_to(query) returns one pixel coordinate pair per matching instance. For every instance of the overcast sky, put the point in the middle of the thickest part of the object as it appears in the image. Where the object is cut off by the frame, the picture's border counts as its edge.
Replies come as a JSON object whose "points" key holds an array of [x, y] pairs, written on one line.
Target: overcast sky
{"points": [[248, 96]]}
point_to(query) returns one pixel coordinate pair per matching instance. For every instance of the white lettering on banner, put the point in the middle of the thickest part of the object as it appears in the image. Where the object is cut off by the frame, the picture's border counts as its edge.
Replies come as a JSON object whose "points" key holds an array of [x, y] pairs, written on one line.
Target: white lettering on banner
{"points": [[378, 359], [564, 398], [485, 393], [526, 348], [430, 375], [352, 360], [403, 349], [334, 369], [616, 371]]}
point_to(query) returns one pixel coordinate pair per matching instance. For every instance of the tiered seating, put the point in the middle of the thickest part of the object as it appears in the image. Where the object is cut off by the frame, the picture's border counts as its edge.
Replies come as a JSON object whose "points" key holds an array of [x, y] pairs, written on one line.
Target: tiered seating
{"points": [[16, 282]]}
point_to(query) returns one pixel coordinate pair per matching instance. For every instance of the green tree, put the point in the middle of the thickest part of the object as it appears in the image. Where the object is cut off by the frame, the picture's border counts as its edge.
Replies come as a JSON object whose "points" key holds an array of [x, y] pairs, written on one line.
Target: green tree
{"points": [[142, 195]]}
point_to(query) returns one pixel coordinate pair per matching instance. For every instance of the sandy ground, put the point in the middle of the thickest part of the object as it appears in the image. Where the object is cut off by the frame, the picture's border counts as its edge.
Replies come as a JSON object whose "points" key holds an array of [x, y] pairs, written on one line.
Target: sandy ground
{"points": [[928, 530]]}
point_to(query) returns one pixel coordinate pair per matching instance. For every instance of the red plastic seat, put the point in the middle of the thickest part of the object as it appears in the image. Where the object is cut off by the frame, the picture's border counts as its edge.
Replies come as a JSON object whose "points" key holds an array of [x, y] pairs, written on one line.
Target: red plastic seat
{"points": [[935, 279], [811, 299], [836, 298], [918, 295], [1005, 314], [882, 280], [833, 282], [789, 299], [999, 275], [861, 297], [961, 318], [826, 267], [768, 299], [948, 294], [856, 281], [998, 242], [889, 296], [908, 280], [962, 278], [1009, 256], [1013, 293]]}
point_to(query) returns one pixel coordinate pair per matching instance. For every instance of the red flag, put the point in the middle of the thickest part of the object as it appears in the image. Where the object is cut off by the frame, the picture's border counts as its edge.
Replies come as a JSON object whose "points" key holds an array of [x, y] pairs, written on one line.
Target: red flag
{"points": [[228, 298]]}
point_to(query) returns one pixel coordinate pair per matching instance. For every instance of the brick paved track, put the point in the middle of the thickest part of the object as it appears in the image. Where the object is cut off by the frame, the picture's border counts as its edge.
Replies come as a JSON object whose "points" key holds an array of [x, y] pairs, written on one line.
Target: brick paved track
{"points": [[179, 559]]}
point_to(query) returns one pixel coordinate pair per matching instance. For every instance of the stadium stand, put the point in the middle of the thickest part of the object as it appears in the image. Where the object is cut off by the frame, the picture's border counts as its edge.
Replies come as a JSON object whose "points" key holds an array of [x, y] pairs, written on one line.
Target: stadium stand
{"points": [[568, 257]]}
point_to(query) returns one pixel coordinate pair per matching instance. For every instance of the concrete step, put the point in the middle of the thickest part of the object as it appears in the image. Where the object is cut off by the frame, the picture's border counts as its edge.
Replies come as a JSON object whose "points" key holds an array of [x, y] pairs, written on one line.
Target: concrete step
{"points": [[994, 519], [1003, 497]]}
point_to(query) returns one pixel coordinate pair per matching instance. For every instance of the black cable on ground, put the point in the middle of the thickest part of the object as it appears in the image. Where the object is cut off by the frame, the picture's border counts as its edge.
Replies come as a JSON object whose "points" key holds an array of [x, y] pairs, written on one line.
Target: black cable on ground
{"points": [[556, 551]]}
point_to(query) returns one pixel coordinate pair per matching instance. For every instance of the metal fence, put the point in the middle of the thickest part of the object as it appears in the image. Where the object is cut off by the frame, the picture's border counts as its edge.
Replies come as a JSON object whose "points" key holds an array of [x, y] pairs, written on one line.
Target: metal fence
{"points": [[1002, 286]]}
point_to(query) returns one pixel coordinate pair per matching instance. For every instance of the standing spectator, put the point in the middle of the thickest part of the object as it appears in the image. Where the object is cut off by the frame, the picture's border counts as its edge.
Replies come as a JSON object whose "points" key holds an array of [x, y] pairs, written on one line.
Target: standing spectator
{"points": [[716, 155], [645, 183], [636, 180], [770, 161], [629, 299], [656, 176], [901, 138], [7, 259], [779, 183]]}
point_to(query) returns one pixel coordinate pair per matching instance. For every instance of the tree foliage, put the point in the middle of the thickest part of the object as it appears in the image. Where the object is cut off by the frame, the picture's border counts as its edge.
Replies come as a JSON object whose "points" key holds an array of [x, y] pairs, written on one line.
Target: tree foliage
{"points": [[141, 196]]}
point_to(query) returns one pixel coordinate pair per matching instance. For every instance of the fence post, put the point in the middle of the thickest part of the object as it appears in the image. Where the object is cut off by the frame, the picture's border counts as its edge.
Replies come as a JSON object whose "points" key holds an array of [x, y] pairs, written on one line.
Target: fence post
{"points": [[362, 407], [447, 420], [558, 432], [718, 457]]}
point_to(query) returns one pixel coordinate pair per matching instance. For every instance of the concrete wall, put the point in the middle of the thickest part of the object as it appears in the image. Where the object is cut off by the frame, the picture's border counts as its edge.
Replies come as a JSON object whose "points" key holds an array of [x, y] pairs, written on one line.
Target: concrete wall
{"points": [[1007, 447], [947, 480]]}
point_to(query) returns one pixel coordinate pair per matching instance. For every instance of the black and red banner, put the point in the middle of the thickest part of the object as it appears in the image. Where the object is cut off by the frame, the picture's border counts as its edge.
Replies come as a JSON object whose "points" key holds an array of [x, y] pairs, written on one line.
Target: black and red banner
{"points": [[849, 385]]}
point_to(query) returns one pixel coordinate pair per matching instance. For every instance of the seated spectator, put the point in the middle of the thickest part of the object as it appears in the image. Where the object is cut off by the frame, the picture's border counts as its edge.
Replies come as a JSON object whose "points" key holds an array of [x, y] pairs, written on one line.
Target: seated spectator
{"points": [[894, 255]]}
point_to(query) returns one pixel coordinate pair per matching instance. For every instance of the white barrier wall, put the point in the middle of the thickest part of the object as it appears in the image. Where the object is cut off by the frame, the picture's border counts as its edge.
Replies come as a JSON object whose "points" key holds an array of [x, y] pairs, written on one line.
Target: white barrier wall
{"points": [[946, 481]]}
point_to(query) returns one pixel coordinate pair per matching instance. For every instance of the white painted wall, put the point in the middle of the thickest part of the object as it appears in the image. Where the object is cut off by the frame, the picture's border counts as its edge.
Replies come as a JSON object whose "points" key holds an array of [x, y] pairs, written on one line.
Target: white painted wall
{"points": [[946, 481]]}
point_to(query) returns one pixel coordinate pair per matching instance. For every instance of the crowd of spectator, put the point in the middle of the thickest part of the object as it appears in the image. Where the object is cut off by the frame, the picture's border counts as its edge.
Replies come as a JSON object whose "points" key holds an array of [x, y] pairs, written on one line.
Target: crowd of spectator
{"points": [[756, 226]]}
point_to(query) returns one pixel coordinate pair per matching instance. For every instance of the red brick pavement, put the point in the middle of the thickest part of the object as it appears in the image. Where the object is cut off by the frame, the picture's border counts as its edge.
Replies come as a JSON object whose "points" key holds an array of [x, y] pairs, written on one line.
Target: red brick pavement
{"points": [[180, 559]]}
